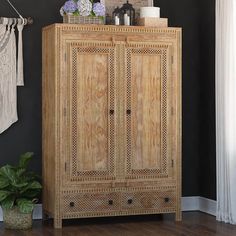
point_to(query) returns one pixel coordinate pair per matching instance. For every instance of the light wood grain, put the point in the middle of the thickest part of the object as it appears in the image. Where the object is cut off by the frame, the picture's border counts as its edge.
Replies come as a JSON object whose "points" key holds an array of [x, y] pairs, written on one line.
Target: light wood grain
{"points": [[146, 115], [92, 112], [49, 133], [153, 22], [111, 121]]}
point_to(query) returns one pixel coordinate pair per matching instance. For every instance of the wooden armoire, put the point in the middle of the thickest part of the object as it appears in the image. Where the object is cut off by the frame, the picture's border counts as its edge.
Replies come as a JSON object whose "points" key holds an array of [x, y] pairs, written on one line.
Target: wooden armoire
{"points": [[111, 121]]}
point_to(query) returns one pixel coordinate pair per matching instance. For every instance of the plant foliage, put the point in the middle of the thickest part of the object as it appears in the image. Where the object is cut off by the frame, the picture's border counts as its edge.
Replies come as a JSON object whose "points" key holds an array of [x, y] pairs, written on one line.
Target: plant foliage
{"points": [[18, 186]]}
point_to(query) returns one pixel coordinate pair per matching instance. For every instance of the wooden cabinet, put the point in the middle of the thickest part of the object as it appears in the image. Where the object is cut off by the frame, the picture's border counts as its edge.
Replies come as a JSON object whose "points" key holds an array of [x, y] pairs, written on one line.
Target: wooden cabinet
{"points": [[111, 121]]}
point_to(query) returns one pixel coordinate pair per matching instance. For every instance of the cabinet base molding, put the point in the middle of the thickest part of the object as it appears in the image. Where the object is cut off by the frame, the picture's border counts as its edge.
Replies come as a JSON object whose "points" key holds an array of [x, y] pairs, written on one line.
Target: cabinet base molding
{"points": [[194, 203]]}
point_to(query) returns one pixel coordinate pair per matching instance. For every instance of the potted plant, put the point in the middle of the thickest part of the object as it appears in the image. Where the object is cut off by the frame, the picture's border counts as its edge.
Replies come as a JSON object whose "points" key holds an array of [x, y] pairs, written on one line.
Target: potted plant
{"points": [[19, 189]]}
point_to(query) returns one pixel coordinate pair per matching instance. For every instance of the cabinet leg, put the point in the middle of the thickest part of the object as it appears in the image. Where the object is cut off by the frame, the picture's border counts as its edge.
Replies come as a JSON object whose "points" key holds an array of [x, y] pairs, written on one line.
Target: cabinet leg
{"points": [[57, 223], [178, 215], [45, 216]]}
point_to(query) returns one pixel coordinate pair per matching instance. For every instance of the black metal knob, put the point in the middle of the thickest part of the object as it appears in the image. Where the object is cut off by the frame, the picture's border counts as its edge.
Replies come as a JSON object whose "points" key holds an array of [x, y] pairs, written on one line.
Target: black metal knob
{"points": [[130, 201], [72, 204], [110, 202], [112, 112], [167, 199], [128, 112]]}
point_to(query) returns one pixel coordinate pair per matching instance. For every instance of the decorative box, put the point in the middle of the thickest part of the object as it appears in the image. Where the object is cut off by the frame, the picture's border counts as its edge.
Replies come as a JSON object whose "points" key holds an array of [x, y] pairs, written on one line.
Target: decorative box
{"points": [[83, 19], [153, 22]]}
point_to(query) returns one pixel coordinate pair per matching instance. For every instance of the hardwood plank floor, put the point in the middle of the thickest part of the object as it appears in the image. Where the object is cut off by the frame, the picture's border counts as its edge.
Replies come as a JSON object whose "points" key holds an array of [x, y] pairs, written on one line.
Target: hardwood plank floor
{"points": [[193, 224]]}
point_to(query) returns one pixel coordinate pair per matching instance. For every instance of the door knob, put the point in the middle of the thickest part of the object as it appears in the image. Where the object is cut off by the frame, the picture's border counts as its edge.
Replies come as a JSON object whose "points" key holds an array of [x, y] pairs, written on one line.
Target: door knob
{"points": [[110, 202], [167, 199], [130, 201], [128, 112]]}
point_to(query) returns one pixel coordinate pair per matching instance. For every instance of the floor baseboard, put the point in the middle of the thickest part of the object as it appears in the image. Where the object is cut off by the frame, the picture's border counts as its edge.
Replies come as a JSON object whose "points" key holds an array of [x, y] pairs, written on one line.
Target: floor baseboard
{"points": [[207, 205], [188, 204], [199, 204]]}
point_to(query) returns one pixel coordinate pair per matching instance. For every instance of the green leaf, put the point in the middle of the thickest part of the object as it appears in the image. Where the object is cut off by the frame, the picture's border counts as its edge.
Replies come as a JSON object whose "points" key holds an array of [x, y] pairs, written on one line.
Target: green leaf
{"points": [[7, 171], [25, 205], [4, 194], [20, 185], [3, 183], [31, 176], [24, 159], [8, 202], [20, 172], [31, 193], [34, 185]]}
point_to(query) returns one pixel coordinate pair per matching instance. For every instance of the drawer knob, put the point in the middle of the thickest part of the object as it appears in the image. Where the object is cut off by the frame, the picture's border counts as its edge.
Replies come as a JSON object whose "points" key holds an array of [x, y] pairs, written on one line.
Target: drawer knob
{"points": [[112, 112], [167, 199], [130, 201], [128, 112], [72, 204], [110, 202]]}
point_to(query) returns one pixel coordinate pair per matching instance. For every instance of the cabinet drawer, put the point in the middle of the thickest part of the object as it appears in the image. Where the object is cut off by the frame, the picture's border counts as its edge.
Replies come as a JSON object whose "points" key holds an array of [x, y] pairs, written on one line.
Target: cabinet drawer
{"points": [[91, 202], [148, 200]]}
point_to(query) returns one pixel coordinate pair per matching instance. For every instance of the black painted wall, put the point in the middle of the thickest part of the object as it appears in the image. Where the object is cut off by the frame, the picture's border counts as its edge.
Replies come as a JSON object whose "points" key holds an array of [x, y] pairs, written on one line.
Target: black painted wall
{"points": [[198, 88], [185, 14], [207, 145]]}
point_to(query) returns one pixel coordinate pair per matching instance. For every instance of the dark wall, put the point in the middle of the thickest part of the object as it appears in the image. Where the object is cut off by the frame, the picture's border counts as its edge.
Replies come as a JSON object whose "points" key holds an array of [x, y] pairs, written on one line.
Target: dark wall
{"points": [[25, 135], [185, 14], [207, 145], [197, 18]]}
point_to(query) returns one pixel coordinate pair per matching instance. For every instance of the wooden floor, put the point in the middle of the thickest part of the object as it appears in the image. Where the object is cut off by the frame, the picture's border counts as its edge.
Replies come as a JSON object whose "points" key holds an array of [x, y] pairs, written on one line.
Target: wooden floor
{"points": [[193, 224]]}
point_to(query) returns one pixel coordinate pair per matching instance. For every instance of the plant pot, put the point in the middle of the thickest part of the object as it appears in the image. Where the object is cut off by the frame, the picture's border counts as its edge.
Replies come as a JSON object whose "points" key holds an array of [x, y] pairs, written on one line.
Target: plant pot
{"points": [[14, 219]]}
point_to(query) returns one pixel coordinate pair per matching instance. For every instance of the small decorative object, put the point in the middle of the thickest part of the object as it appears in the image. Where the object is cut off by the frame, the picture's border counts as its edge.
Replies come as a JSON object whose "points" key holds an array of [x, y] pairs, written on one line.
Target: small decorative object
{"points": [[84, 7], [150, 16], [99, 9], [153, 22], [128, 14], [18, 191], [149, 12], [83, 12], [111, 4], [69, 7], [116, 15]]}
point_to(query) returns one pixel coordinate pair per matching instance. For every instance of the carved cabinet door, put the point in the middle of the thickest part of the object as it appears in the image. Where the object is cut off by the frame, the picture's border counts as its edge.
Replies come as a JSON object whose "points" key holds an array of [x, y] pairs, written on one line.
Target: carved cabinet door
{"points": [[147, 110], [89, 107]]}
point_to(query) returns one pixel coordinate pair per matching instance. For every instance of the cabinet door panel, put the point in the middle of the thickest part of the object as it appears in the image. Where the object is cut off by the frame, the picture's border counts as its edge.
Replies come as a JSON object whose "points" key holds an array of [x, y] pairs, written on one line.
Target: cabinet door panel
{"points": [[145, 118], [90, 122], [148, 122], [92, 127]]}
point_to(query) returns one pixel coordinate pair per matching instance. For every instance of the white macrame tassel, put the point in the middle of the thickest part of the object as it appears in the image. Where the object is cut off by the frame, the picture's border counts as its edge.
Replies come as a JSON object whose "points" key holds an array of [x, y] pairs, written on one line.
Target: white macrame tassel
{"points": [[8, 100], [20, 66]]}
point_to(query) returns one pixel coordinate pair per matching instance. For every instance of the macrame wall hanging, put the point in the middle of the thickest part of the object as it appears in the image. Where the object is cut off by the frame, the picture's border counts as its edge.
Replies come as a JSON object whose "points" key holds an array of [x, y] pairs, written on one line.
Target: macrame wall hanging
{"points": [[11, 68]]}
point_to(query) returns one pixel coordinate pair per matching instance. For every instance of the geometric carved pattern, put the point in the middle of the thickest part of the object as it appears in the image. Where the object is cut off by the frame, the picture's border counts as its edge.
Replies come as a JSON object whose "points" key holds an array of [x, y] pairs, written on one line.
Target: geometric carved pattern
{"points": [[160, 170], [98, 203], [148, 200], [82, 51], [91, 89], [91, 202]]}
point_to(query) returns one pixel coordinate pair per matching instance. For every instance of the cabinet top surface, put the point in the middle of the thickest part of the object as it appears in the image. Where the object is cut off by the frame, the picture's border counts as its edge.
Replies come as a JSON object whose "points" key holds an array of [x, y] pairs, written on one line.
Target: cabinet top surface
{"points": [[111, 28]]}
